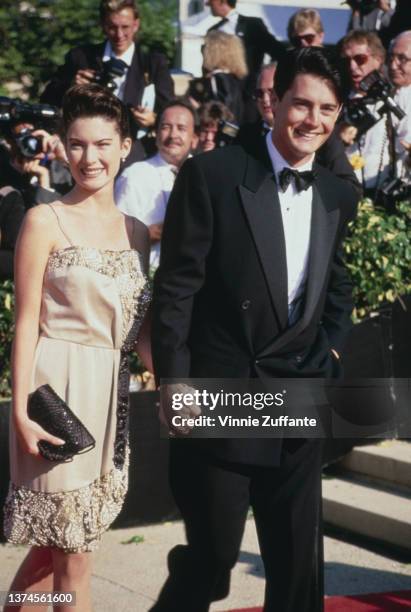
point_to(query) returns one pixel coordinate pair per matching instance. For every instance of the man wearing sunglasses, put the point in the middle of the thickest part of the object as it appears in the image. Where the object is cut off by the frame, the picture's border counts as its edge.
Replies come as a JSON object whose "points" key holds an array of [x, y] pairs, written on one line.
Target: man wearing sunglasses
{"points": [[365, 53], [305, 29]]}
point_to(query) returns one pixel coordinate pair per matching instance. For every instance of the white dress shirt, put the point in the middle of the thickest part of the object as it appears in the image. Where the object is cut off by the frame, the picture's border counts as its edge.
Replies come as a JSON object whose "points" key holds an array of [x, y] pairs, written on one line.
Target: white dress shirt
{"points": [[296, 215], [142, 191], [230, 25], [127, 58]]}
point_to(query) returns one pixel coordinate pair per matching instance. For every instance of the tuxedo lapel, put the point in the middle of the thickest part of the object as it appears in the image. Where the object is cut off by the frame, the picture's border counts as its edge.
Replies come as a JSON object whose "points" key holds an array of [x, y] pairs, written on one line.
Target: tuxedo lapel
{"points": [[324, 225], [262, 208]]}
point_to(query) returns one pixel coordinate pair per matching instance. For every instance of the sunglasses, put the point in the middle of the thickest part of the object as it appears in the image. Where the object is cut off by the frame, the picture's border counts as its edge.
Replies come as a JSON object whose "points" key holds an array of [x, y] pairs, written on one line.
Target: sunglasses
{"points": [[298, 39], [360, 59], [260, 93]]}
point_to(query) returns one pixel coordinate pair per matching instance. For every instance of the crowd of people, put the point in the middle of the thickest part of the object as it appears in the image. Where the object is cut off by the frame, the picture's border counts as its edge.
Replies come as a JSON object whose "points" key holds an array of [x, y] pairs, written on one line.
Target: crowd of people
{"points": [[248, 183], [231, 102]]}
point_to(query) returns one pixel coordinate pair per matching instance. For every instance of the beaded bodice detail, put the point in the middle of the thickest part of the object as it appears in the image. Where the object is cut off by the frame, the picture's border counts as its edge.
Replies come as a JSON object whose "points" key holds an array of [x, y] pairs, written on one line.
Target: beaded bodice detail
{"points": [[125, 268]]}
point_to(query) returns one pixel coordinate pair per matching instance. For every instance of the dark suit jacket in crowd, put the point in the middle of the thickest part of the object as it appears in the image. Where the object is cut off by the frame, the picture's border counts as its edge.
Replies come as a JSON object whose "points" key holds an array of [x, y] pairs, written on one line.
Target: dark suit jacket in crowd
{"points": [[220, 293], [91, 56], [11, 216]]}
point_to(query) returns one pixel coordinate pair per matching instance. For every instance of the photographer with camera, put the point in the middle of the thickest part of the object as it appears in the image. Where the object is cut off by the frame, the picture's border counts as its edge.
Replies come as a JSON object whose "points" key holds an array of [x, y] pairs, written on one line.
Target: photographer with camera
{"points": [[33, 158], [370, 15], [377, 118], [141, 80]]}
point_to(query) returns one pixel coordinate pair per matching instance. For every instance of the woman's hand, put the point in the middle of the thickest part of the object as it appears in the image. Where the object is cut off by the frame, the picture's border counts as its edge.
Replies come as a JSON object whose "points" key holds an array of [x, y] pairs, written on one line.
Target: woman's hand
{"points": [[30, 433]]}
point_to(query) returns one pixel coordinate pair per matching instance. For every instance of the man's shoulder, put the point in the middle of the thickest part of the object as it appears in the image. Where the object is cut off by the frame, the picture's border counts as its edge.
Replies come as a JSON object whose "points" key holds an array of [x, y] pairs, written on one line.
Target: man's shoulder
{"points": [[250, 24], [86, 50], [336, 190], [219, 159]]}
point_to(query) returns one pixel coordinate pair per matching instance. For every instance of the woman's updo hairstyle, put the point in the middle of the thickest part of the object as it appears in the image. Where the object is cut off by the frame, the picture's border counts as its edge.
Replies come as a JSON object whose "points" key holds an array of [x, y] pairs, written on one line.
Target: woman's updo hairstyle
{"points": [[94, 101]]}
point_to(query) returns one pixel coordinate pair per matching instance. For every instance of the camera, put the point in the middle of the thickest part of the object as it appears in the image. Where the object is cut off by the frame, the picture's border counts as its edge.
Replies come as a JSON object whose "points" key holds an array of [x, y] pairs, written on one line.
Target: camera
{"points": [[392, 190], [226, 134], [112, 69], [14, 111], [200, 90], [357, 111]]}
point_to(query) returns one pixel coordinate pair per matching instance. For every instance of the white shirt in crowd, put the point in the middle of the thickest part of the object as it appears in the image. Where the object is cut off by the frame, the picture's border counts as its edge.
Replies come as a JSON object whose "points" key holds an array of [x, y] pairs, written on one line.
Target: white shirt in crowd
{"points": [[296, 215], [373, 145], [230, 25], [127, 58], [142, 191]]}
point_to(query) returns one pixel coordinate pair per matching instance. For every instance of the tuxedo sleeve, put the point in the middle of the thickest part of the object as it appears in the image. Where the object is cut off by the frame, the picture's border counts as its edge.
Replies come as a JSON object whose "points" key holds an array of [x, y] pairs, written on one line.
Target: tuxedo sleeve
{"points": [[186, 241], [339, 305], [163, 83], [268, 43]]}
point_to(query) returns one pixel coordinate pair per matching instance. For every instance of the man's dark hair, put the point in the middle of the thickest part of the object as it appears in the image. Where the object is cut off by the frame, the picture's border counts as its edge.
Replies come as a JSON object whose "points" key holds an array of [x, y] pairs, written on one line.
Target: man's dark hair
{"points": [[107, 7], [323, 63], [184, 103], [231, 3]]}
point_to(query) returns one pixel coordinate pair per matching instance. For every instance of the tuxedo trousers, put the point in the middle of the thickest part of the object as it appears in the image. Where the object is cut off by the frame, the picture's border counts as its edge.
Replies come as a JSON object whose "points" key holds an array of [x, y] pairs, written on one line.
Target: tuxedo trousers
{"points": [[214, 497]]}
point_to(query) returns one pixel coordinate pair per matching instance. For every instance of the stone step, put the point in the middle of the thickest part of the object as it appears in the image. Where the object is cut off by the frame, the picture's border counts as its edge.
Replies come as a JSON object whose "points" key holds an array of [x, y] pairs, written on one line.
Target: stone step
{"points": [[361, 508], [389, 462]]}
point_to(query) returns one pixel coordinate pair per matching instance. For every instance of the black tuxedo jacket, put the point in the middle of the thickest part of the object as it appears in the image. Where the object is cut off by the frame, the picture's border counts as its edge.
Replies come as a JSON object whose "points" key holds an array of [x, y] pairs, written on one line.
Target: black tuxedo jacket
{"points": [[257, 42], [220, 293], [91, 56]]}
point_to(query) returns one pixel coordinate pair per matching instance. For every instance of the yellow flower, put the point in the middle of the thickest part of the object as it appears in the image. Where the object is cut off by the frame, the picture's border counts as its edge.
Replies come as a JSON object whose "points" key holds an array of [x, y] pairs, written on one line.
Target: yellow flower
{"points": [[357, 161]]}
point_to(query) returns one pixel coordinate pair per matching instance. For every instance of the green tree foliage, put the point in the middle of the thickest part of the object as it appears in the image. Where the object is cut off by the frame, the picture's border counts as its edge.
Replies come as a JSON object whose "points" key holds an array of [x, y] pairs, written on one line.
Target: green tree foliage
{"points": [[35, 35], [378, 256]]}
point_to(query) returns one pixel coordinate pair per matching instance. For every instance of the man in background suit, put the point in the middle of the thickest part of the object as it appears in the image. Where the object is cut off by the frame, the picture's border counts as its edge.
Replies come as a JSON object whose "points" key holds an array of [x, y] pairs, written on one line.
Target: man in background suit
{"points": [[251, 284], [120, 22], [257, 42]]}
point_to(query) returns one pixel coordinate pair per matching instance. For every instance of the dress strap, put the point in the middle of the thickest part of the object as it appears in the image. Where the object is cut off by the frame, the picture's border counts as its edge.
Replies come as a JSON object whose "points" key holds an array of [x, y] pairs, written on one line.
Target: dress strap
{"points": [[59, 224]]}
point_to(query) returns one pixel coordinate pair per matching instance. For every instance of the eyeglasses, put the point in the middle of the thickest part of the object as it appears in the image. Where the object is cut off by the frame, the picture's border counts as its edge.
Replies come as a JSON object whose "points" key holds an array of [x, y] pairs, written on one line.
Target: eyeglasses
{"points": [[399, 57], [298, 39], [260, 93], [360, 59]]}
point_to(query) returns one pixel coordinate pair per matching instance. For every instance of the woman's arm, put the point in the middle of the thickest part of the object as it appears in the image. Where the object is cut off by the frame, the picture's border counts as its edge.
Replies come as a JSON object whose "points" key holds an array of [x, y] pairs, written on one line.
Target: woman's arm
{"points": [[32, 250]]}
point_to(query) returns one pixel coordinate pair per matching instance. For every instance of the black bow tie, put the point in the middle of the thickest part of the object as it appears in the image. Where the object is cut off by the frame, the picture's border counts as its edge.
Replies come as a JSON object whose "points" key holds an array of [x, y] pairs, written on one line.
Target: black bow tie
{"points": [[303, 180]]}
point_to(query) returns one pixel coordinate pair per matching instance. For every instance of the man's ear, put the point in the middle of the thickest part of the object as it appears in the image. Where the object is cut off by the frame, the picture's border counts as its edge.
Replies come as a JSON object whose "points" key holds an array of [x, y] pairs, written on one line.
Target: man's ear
{"points": [[274, 101]]}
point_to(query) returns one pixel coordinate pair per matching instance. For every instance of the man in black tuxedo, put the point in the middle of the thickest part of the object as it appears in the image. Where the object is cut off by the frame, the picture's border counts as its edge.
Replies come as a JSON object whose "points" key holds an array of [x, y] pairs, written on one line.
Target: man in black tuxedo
{"points": [[257, 42], [120, 22], [251, 284]]}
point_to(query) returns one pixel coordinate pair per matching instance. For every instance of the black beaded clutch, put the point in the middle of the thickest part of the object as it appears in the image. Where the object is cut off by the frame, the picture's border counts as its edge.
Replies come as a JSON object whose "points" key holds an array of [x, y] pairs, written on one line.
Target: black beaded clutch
{"points": [[47, 409]]}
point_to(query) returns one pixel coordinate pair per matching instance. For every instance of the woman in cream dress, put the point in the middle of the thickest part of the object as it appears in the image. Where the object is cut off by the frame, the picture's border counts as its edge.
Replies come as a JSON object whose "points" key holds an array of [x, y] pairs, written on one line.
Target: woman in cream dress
{"points": [[81, 300]]}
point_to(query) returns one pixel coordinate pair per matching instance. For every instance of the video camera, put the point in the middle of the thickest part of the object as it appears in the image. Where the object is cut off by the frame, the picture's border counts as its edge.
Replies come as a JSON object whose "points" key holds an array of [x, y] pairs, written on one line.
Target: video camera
{"points": [[14, 111], [357, 111], [112, 69]]}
